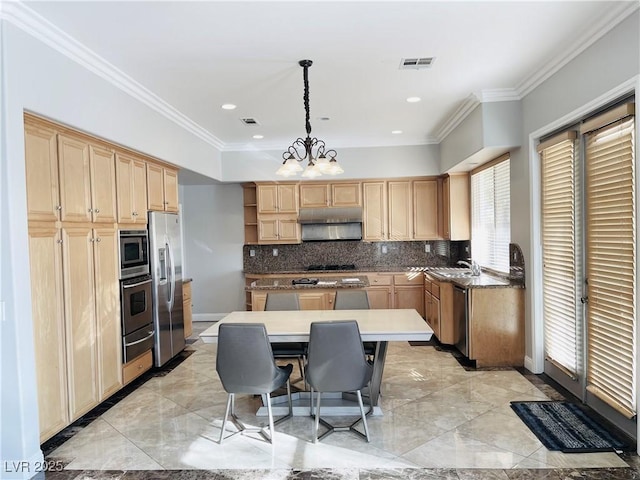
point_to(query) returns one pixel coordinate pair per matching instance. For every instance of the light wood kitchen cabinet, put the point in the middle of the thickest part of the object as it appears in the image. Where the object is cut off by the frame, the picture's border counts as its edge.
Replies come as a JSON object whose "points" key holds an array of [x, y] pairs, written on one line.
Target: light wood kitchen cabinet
{"points": [[136, 367], [162, 188], [250, 207], [408, 292], [131, 174], [187, 309], [496, 326], [316, 299], [380, 290], [316, 195], [374, 216], [400, 210], [425, 209], [456, 207], [41, 161], [278, 229], [87, 181], [277, 198], [439, 309], [45, 252], [92, 316]]}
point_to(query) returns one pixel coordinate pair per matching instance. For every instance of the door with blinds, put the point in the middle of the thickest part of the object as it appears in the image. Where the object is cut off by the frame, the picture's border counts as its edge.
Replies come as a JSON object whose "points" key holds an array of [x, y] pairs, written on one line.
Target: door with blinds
{"points": [[589, 262]]}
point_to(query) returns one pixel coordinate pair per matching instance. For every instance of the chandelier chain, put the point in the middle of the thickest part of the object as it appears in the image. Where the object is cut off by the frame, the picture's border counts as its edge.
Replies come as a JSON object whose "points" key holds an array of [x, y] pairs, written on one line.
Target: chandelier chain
{"points": [[306, 99]]}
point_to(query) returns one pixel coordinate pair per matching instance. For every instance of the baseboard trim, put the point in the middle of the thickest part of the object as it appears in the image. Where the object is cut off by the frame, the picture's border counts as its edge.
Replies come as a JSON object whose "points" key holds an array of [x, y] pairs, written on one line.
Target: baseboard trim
{"points": [[208, 317], [529, 365]]}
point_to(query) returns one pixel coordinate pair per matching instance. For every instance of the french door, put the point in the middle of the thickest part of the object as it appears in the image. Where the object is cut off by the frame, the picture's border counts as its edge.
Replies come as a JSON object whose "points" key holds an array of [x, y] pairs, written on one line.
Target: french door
{"points": [[589, 262]]}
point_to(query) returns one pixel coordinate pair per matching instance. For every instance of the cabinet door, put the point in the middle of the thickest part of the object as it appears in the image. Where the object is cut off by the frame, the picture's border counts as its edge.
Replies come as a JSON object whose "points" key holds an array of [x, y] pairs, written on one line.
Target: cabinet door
{"points": [[75, 180], [314, 195], [400, 210], [446, 210], [435, 316], [139, 191], [170, 190], [288, 198], [409, 297], [425, 209], [124, 182], [379, 297], [155, 187], [316, 300], [267, 198], [267, 230], [345, 195], [103, 184], [45, 253], [375, 211], [107, 294], [80, 331], [289, 230], [456, 207], [41, 162], [187, 315]]}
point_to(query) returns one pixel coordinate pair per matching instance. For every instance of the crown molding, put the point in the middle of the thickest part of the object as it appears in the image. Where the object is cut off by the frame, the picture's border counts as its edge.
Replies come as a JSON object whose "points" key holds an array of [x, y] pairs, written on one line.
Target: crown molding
{"points": [[499, 95], [591, 35], [24, 18], [463, 110]]}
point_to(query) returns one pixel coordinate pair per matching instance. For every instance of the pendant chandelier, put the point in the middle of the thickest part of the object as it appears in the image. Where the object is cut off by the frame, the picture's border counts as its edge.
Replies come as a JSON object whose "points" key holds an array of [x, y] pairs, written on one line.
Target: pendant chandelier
{"points": [[320, 160]]}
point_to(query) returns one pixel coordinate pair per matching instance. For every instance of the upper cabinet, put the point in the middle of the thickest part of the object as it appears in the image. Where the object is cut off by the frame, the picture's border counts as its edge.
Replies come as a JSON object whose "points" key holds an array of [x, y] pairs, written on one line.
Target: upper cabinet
{"points": [[400, 210], [131, 176], [456, 207], [162, 188], [41, 160], [277, 198], [87, 181], [314, 195]]}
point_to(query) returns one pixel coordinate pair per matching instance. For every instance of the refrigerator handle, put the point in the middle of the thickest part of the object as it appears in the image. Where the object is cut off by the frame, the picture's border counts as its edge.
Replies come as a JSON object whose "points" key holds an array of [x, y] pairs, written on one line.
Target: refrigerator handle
{"points": [[171, 281]]}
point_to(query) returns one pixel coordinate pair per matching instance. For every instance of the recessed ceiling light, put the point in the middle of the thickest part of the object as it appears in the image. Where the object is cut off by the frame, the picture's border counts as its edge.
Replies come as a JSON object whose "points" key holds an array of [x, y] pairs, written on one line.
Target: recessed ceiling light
{"points": [[258, 137], [413, 99], [228, 106], [396, 132]]}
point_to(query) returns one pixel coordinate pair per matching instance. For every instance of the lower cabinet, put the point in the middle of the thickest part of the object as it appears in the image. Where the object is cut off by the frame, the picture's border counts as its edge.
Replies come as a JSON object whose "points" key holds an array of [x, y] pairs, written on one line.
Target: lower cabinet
{"points": [[136, 367], [187, 309], [76, 320], [438, 299], [311, 300]]}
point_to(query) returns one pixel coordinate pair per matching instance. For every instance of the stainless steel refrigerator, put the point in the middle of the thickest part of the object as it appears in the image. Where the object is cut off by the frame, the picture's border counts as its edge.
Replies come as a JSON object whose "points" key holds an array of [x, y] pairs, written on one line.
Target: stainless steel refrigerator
{"points": [[165, 252]]}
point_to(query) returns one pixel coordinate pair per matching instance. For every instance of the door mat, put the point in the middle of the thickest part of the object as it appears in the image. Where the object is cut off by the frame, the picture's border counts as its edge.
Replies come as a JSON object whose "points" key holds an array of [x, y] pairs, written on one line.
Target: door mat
{"points": [[565, 427]]}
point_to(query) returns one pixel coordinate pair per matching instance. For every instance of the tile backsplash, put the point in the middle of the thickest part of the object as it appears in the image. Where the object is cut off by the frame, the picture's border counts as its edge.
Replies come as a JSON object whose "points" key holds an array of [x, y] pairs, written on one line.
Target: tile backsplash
{"points": [[364, 255]]}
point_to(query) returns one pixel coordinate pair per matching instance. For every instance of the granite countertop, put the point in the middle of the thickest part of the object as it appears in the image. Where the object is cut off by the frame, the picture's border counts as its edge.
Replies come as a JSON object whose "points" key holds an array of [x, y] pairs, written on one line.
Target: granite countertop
{"points": [[282, 283], [484, 280]]}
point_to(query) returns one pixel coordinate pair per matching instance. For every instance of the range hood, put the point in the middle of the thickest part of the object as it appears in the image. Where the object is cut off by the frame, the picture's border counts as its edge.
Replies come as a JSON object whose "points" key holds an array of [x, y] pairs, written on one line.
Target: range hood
{"points": [[323, 224], [308, 216]]}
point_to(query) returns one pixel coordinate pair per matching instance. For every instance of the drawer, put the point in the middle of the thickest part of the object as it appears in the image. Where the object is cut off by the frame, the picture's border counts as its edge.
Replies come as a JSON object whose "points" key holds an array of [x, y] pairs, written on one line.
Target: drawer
{"points": [[408, 278], [379, 279], [137, 367]]}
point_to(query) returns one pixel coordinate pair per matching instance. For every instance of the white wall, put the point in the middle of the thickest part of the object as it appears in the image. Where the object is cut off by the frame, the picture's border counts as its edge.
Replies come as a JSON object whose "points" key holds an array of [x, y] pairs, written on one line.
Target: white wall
{"points": [[604, 66], [374, 162], [214, 236], [37, 78]]}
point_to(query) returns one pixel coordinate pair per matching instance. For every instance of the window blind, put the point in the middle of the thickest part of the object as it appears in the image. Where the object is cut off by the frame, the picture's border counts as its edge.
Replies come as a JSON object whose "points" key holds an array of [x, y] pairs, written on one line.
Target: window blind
{"points": [[559, 252], [490, 216], [610, 262]]}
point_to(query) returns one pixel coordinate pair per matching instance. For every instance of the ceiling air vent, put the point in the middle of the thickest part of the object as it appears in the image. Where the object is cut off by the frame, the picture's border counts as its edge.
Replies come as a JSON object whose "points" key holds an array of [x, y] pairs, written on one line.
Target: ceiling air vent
{"points": [[249, 121], [416, 63]]}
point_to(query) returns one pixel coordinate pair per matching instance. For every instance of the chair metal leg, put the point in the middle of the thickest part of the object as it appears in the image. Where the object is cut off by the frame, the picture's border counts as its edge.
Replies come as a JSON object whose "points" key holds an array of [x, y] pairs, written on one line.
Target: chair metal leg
{"points": [[226, 415], [311, 401], [290, 402], [364, 417], [271, 428], [317, 419]]}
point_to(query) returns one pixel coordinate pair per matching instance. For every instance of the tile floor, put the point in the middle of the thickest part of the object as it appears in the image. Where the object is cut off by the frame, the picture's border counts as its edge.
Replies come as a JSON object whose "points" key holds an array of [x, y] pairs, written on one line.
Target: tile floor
{"points": [[440, 421]]}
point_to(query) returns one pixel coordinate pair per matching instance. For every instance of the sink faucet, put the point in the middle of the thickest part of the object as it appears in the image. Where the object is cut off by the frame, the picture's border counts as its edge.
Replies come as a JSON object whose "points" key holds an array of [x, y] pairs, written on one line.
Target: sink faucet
{"points": [[473, 266]]}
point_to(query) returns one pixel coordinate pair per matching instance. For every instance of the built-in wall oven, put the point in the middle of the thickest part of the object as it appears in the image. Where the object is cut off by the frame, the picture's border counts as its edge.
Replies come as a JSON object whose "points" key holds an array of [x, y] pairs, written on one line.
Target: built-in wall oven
{"points": [[135, 294]]}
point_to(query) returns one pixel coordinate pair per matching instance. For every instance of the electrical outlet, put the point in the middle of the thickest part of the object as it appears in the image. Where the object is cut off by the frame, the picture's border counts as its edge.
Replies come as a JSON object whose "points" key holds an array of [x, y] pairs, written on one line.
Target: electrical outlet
{"points": [[275, 252], [515, 256], [384, 249], [466, 249], [252, 253], [427, 248]]}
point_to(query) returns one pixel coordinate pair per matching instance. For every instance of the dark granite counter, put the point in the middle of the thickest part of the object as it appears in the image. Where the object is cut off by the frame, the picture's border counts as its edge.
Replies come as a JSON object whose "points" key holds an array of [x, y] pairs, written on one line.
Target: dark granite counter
{"points": [[285, 283], [484, 280]]}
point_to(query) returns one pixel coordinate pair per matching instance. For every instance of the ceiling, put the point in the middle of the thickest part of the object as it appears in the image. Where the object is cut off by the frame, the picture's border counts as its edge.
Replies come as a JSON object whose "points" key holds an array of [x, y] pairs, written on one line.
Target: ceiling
{"points": [[197, 56]]}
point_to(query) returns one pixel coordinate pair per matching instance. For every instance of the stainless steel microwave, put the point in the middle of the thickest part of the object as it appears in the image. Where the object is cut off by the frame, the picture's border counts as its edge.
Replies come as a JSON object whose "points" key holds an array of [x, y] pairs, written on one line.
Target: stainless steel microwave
{"points": [[134, 253]]}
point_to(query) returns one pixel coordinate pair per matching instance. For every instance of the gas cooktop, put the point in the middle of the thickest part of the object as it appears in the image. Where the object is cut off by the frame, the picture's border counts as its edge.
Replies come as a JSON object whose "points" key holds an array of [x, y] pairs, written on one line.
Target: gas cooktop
{"points": [[348, 266]]}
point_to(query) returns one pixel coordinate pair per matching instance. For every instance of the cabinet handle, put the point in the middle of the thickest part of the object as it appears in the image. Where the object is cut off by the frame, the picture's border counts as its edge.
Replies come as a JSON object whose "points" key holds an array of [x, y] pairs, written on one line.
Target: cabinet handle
{"points": [[135, 214], [58, 207], [92, 240], [59, 241], [98, 239], [90, 210], [97, 210]]}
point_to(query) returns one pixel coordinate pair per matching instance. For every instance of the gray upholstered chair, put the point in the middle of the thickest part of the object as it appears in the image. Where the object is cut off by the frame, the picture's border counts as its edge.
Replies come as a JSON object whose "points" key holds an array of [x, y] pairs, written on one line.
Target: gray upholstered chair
{"points": [[348, 299], [283, 350], [245, 365], [336, 363]]}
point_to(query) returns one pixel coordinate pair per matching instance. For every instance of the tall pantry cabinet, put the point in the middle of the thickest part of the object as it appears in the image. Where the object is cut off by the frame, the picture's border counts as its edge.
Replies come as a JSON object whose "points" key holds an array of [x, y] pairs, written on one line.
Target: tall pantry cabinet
{"points": [[73, 247]]}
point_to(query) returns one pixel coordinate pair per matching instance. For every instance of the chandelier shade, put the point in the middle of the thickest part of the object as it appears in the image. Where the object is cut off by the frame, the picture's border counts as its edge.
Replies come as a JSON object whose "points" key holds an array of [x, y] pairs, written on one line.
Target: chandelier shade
{"points": [[312, 150]]}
